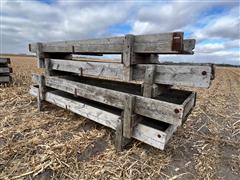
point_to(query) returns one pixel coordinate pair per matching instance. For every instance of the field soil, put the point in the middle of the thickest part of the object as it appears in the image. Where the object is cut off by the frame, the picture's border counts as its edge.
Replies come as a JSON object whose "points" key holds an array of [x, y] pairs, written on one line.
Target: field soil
{"points": [[58, 144]]}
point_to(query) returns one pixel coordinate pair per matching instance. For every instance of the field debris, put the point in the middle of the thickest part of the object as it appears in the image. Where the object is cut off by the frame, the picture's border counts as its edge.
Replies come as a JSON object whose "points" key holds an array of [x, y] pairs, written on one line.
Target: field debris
{"points": [[58, 144]]}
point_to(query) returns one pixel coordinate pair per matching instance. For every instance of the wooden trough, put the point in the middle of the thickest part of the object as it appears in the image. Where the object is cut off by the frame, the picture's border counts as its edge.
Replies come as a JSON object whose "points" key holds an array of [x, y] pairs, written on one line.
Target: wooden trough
{"points": [[135, 97], [5, 71]]}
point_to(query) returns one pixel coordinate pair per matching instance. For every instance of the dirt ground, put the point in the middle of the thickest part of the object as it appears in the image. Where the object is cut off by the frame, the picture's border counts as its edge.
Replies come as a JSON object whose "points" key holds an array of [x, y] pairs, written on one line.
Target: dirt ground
{"points": [[57, 144]]}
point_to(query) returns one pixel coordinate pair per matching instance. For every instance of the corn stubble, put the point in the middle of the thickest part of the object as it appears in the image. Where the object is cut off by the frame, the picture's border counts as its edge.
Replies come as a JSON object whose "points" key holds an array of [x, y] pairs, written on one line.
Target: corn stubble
{"points": [[58, 144]]}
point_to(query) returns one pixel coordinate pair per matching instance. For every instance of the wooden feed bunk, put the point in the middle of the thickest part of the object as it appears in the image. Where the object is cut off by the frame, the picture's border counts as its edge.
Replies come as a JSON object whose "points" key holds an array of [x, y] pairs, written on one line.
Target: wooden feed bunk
{"points": [[134, 97], [5, 71]]}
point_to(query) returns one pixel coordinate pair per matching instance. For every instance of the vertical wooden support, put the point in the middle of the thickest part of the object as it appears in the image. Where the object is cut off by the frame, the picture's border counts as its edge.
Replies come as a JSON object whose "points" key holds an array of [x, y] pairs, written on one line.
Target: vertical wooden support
{"points": [[128, 116], [128, 57], [148, 81], [48, 70], [119, 136], [41, 92], [40, 55]]}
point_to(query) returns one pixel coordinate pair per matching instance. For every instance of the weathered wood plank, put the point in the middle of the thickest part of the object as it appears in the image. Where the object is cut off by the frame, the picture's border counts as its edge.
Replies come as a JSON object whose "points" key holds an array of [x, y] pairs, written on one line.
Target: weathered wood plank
{"points": [[5, 61], [152, 136], [4, 79], [4, 70], [128, 116], [189, 45], [159, 110], [182, 75], [173, 74], [156, 137], [189, 104], [148, 81], [97, 69], [103, 117], [40, 55], [159, 43], [127, 57], [104, 45], [164, 43], [41, 92]]}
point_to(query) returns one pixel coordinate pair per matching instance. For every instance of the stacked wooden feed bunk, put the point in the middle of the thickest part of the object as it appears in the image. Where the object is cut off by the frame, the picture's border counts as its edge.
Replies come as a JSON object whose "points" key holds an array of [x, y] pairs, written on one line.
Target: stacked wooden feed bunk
{"points": [[5, 71], [134, 97]]}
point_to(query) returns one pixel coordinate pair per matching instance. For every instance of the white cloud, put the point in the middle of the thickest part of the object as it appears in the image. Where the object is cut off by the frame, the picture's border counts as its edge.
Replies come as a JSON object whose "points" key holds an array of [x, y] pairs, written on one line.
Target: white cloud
{"points": [[208, 48], [172, 16], [226, 26], [34, 21]]}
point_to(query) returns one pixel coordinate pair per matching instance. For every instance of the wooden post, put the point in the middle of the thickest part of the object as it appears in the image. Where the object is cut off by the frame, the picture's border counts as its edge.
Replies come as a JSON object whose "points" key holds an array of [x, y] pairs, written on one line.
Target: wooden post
{"points": [[40, 55], [148, 81], [127, 57], [120, 140], [41, 92], [48, 67], [128, 116]]}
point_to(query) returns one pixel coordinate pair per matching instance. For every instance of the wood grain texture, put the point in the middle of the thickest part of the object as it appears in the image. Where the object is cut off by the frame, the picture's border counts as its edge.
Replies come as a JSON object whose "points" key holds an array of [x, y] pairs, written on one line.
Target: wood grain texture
{"points": [[5, 79], [182, 75], [142, 132], [103, 117], [41, 92], [128, 116], [154, 43], [153, 108], [185, 75], [40, 55], [127, 57], [148, 81], [5, 61], [4, 70], [97, 69]]}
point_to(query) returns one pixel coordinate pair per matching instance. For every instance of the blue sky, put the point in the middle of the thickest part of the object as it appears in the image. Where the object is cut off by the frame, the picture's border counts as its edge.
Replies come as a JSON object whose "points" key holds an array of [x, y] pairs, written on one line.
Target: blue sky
{"points": [[214, 24]]}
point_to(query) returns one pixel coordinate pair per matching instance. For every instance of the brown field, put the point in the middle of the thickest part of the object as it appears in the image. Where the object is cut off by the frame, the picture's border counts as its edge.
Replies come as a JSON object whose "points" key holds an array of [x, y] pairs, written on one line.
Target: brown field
{"points": [[59, 144]]}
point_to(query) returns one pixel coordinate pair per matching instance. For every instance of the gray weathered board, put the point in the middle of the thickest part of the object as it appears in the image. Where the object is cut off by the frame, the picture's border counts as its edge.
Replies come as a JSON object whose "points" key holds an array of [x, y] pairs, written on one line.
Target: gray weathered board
{"points": [[5, 79], [172, 74], [5, 70], [4, 60], [153, 108], [165, 43], [154, 136]]}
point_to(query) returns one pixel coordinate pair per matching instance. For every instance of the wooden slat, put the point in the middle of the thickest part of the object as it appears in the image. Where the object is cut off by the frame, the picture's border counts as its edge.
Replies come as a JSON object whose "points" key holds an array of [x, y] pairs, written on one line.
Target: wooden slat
{"points": [[186, 75], [142, 132], [182, 75], [5, 79], [153, 136], [164, 43], [98, 115], [5, 70], [148, 81], [97, 69], [5, 61], [105, 45], [127, 57], [159, 110], [128, 116]]}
